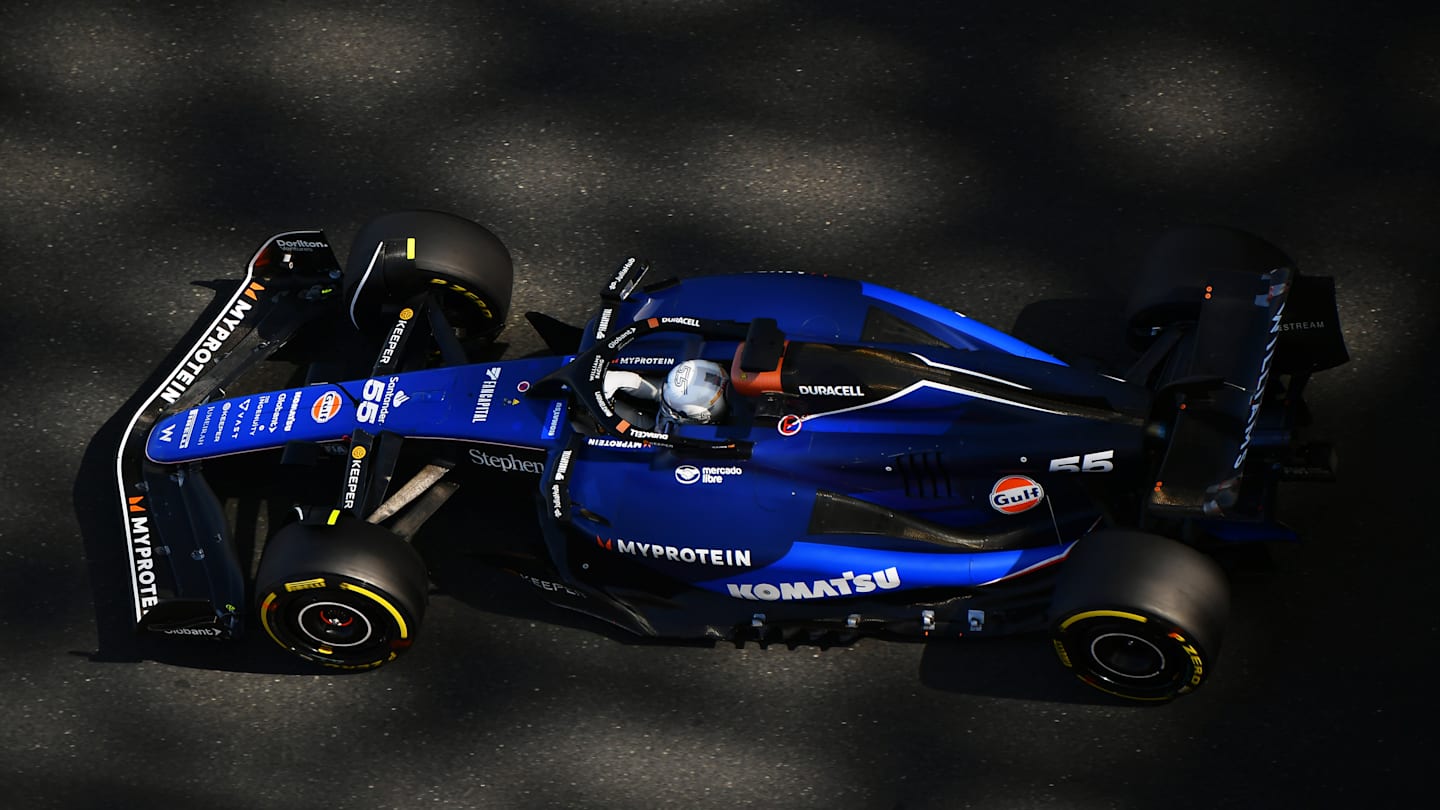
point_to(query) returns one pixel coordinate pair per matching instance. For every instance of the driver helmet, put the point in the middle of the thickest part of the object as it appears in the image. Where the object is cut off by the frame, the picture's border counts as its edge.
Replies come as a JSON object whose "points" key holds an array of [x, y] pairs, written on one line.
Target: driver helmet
{"points": [[694, 392]]}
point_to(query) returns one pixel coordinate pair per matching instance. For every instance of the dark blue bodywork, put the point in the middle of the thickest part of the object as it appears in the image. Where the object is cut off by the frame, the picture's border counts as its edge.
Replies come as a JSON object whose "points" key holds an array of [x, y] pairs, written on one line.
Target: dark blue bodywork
{"points": [[897, 467]]}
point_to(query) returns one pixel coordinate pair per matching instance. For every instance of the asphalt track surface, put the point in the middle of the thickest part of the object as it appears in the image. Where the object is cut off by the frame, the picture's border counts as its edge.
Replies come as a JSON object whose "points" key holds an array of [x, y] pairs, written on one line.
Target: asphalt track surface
{"points": [[982, 155]]}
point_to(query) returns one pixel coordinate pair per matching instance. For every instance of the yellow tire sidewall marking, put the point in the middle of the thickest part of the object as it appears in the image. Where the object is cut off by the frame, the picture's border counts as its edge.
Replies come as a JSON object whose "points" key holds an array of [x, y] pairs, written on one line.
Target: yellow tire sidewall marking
{"points": [[1137, 618], [265, 619], [265, 607], [462, 290], [369, 594], [305, 585], [1103, 614]]}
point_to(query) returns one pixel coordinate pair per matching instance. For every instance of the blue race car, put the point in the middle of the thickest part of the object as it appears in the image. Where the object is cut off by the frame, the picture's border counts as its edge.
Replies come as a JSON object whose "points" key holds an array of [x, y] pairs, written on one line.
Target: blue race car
{"points": [[762, 455]]}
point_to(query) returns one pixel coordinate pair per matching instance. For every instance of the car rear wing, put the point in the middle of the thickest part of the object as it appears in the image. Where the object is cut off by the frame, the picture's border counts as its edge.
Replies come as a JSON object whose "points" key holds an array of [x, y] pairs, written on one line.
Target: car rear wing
{"points": [[185, 573], [1221, 377]]}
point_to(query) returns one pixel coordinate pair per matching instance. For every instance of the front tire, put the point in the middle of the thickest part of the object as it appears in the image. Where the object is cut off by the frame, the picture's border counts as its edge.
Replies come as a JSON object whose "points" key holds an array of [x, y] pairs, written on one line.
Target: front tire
{"points": [[1139, 616], [349, 596], [403, 254]]}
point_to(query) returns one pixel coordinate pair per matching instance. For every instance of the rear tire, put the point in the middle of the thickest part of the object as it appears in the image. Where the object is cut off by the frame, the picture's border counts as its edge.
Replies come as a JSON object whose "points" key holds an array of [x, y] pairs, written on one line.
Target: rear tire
{"points": [[464, 263], [1139, 616], [349, 596], [1171, 286]]}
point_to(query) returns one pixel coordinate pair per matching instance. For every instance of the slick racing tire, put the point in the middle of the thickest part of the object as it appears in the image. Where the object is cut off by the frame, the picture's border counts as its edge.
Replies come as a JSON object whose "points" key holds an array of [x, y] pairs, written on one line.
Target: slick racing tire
{"points": [[1171, 286], [1139, 616], [397, 256], [349, 596]]}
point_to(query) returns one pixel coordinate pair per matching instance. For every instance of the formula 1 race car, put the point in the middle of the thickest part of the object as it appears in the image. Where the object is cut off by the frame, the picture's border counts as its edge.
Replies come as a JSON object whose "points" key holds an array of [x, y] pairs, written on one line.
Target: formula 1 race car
{"points": [[758, 455]]}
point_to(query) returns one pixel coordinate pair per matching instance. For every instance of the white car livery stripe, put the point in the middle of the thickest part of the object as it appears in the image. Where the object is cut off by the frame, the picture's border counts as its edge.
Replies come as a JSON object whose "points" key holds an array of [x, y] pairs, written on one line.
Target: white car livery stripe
{"points": [[235, 301], [931, 363], [913, 387], [1047, 561], [364, 278]]}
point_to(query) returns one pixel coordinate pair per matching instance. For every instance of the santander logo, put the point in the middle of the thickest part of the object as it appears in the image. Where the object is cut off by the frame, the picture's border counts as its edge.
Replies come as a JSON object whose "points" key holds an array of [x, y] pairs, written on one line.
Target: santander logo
{"points": [[1015, 494]]}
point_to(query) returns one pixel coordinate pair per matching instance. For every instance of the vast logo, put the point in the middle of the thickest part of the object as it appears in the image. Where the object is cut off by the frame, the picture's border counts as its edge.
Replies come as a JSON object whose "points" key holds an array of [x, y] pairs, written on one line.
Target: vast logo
{"points": [[1016, 494]]}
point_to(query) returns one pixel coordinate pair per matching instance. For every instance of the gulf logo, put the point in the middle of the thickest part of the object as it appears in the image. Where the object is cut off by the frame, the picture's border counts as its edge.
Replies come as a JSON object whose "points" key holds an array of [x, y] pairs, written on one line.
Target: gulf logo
{"points": [[1015, 494], [325, 407]]}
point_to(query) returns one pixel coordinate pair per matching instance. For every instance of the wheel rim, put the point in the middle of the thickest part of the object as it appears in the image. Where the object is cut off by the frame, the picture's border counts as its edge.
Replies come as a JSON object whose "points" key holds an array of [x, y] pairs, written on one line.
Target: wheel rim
{"points": [[1129, 659], [333, 624], [1127, 656]]}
